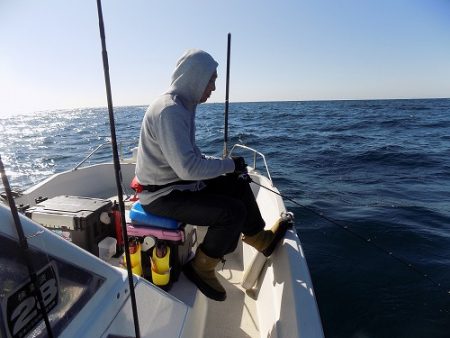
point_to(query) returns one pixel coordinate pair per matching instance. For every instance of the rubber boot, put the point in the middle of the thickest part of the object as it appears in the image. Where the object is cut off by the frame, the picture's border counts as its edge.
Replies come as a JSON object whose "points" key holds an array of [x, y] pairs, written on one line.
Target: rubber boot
{"points": [[201, 271], [266, 241]]}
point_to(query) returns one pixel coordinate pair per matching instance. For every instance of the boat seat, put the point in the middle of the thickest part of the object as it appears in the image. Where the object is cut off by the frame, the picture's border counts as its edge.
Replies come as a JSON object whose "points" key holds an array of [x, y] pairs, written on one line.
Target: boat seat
{"points": [[143, 218]]}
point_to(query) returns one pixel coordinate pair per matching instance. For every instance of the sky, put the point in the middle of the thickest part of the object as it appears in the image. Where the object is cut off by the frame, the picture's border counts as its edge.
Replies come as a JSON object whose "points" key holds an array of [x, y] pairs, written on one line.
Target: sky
{"points": [[50, 50]]}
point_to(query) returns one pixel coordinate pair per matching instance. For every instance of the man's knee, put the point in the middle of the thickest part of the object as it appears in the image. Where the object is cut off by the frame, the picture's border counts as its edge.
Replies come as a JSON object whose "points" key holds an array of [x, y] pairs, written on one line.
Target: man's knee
{"points": [[236, 214]]}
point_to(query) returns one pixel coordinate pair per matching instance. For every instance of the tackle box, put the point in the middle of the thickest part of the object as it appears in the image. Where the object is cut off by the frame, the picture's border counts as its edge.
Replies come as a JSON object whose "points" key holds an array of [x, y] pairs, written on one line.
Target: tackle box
{"points": [[84, 221]]}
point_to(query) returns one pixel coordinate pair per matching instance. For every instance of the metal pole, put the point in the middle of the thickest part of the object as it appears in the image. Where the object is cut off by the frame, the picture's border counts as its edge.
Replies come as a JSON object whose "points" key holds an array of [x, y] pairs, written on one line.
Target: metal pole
{"points": [[117, 168], [225, 138]]}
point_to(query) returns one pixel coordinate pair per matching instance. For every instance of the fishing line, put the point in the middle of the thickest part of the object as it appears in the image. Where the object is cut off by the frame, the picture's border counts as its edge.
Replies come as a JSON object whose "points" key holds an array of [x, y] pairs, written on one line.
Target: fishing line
{"points": [[355, 234]]}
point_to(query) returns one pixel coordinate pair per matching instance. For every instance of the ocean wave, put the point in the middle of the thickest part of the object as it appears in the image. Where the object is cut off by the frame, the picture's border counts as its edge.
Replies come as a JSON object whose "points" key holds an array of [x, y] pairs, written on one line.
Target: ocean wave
{"points": [[412, 108], [394, 156]]}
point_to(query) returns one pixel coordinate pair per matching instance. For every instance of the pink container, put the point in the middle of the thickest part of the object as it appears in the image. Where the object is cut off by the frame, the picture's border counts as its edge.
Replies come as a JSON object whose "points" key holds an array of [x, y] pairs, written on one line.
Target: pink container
{"points": [[169, 235]]}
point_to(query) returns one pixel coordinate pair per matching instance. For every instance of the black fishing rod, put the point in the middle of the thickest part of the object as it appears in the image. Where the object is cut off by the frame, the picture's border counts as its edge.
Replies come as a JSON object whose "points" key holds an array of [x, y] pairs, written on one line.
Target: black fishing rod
{"points": [[227, 93], [117, 169], [25, 250], [355, 234]]}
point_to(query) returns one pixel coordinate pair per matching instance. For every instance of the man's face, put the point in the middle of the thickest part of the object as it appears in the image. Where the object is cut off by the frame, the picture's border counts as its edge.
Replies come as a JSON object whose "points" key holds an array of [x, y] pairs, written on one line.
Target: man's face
{"points": [[210, 87]]}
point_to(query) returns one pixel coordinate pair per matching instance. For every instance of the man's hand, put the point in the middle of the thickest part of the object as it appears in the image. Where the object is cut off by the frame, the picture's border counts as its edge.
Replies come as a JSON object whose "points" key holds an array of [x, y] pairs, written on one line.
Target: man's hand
{"points": [[240, 167]]}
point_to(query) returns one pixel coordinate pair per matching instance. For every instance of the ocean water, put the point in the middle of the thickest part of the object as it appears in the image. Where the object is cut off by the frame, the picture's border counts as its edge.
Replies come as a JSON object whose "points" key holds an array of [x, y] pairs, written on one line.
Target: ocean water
{"points": [[378, 170]]}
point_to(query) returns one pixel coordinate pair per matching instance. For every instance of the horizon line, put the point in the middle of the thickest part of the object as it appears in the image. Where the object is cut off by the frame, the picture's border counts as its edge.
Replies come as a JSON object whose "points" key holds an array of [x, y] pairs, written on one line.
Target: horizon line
{"points": [[220, 102]]}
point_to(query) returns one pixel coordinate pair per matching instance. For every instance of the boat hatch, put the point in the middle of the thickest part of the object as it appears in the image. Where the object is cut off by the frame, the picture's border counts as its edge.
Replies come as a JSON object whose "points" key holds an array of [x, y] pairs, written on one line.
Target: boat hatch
{"points": [[66, 288]]}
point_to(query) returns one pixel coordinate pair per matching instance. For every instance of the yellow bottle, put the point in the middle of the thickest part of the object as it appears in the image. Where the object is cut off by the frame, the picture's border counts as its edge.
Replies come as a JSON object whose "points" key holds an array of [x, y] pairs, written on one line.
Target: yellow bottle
{"points": [[160, 265], [135, 258]]}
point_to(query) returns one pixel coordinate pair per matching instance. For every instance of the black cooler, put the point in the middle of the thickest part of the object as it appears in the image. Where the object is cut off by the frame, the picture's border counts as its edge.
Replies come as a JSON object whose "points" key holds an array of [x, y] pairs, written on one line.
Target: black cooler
{"points": [[84, 221]]}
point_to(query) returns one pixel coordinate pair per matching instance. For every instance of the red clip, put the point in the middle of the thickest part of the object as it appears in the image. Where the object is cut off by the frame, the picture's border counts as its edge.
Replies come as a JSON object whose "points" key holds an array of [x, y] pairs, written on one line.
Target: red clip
{"points": [[136, 186]]}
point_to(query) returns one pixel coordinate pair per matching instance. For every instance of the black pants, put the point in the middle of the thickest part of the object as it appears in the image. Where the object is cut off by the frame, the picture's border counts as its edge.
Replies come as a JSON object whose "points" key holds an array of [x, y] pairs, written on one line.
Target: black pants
{"points": [[226, 205]]}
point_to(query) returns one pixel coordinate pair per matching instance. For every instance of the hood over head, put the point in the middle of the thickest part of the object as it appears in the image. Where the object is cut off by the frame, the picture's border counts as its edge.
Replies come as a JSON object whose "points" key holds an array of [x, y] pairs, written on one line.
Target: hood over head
{"points": [[191, 76]]}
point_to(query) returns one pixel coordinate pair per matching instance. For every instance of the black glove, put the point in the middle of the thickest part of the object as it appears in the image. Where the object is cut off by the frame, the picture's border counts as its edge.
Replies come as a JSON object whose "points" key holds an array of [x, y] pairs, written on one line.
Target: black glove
{"points": [[240, 167]]}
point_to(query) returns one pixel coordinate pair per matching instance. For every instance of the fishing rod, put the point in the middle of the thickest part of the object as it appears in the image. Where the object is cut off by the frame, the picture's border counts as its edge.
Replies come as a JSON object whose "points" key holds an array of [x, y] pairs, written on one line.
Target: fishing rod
{"points": [[227, 92], [117, 169], [355, 234], [23, 243]]}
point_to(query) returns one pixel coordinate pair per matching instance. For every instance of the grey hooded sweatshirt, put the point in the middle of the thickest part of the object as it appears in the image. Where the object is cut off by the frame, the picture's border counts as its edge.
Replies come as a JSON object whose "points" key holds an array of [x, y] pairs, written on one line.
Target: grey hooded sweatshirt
{"points": [[167, 151]]}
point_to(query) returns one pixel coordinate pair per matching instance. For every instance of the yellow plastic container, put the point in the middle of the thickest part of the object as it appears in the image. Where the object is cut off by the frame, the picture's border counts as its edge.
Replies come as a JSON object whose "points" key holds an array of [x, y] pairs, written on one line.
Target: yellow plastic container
{"points": [[160, 268], [135, 259], [137, 270]]}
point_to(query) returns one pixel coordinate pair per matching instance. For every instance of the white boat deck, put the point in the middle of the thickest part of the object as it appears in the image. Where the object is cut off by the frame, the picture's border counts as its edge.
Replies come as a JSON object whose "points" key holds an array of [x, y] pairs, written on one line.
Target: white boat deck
{"points": [[235, 317], [242, 320]]}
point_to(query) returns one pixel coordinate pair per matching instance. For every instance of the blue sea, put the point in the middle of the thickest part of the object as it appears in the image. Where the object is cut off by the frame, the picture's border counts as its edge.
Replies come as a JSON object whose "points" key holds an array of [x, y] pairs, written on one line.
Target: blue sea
{"points": [[377, 170]]}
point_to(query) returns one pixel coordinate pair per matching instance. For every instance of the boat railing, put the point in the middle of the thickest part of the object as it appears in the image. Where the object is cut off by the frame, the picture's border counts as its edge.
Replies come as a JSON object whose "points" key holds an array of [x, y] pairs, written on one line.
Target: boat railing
{"points": [[90, 154], [255, 154], [121, 154]]}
